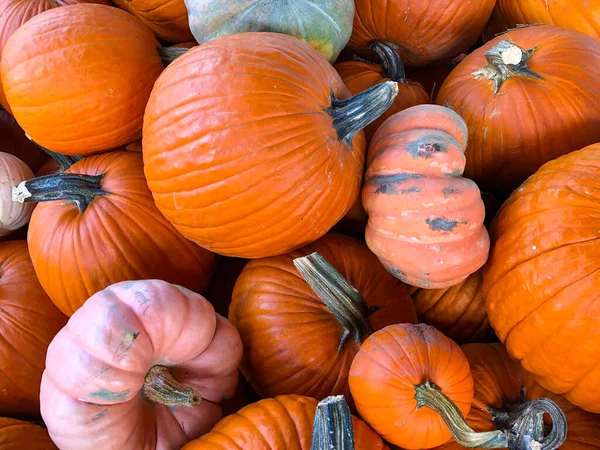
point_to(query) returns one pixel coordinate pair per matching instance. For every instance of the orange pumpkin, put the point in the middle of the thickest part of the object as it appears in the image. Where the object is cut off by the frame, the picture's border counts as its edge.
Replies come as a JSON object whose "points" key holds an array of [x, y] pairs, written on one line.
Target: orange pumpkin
{"points": [[98, 225], [297, 341], [543, 275], [168, 19], [580, 15], [424, 32], [457, 311], [77, 78], [425, 220], [288, 184], [19, 435], [28, 322], [283, 422], [361, 75], [507, 91]]}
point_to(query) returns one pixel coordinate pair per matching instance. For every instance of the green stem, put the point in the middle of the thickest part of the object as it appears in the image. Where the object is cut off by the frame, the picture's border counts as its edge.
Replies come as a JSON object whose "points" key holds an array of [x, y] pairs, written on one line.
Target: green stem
{"points": [[73, 187], [390, 61], [332, 428], [170, 54], [355, 113], [341, 298]]}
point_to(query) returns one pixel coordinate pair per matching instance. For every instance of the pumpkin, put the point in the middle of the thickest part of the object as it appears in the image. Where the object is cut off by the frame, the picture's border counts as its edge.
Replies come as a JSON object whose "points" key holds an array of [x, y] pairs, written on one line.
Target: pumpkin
{"points": [[168, 19], [457, 311], [19, 435], [502, 388], [12, 215], [288, 185], [425, 220], [507, 92], [142, 365], [424, 32], [60, 102], [99, 226], [326, 25], [283, 422], [580, 15], [14, 13], [361, 75], [541, 280], [301, 341], [28, 322], [14, 141]]}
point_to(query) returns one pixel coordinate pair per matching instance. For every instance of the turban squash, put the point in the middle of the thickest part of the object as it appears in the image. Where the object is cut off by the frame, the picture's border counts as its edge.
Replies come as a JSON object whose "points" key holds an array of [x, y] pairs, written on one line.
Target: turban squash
{"points": [[142, 365], [425, 220], [507, 92], [77, 78], [542, 279], [293, 342], [284, 187], [98, 225]]}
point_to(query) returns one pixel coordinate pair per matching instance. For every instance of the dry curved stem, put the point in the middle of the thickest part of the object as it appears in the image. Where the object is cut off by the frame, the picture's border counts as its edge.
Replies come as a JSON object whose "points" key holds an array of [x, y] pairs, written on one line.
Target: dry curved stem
{"points": [[160, 387], [341, 298], [332, 428], [170, 54], [506, 60], [390, 61]]}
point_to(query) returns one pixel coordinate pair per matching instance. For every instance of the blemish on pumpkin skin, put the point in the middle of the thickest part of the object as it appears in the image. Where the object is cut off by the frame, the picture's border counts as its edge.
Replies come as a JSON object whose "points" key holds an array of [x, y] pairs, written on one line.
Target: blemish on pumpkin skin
{"points": [[427, 146], [441, 224], [110, 396], [448, 191], [126, 343], [100, 415], [104, 369], [386, 184], [410, 189]]}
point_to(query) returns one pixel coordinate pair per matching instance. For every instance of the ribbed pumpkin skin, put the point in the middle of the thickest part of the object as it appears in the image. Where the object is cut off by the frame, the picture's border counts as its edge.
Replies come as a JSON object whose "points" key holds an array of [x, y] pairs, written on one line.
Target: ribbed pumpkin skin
{"points": [[77, 78], [383, 376], [14, 141], [359, 76], [425, 220], [19, 435], [28, 322], [580, 15], [91, 394], [541, 282], [168, 19], [283, 422], [512, 133], [290, 337], [457, 311], [284, 187], [326, 25], [424, 31], [119, 237], [496, 377], [14, 13]]}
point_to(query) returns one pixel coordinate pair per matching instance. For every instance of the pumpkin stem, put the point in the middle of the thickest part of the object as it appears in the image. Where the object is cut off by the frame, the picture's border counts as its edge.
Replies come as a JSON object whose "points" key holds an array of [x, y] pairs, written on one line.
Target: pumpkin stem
{"points": [[506, 60], [355, 113], [341, 298], [63, 161], [72, 187], [332, 428], [160, 387], [170, 54], [390, 61]]}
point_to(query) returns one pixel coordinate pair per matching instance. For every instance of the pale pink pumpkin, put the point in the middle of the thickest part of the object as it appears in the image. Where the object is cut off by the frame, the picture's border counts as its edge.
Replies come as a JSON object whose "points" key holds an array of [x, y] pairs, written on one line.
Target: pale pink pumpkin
{"points": [[96, 389]]}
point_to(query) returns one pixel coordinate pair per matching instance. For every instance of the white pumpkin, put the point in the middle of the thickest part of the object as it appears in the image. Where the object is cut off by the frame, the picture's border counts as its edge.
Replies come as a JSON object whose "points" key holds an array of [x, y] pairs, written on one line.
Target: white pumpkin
{"points": [[13, 215]]}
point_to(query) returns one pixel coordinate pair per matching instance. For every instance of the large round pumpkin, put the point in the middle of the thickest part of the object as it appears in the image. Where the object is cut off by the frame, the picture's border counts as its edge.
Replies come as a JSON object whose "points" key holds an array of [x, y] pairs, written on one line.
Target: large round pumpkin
{"points": [[423, 31], [502, 388], [283, 422], [28, 322], [425, 220], [14, 13], [19, 435], [361, 75], [542, 279], [326, 25], [507, 92], [77, 78], [102, 227], [293, 342], [142, 365], [258, 153], [580, 15]]}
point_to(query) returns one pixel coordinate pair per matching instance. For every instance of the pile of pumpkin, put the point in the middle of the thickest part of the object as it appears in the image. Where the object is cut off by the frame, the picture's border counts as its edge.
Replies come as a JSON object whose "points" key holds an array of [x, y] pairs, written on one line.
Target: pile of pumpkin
{"points": [[205, 202]]}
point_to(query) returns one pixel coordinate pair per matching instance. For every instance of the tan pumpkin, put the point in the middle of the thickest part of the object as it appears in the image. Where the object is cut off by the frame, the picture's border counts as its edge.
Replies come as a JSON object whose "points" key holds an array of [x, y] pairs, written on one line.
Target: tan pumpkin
{"points": [[13, 215]]}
